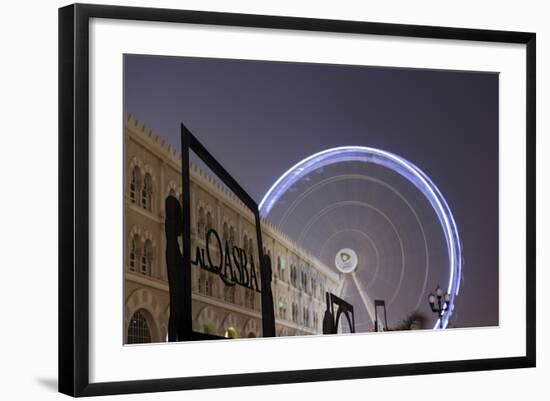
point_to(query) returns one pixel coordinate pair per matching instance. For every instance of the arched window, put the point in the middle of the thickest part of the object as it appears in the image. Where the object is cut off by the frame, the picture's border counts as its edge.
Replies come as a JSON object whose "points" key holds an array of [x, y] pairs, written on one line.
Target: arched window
{"points": [[138, 330], [282, 308], [209, 224], [251, 247], [304, 281], [225, 232], [249, 299], [135, 184], [208, 286], [229, 294], [147, 192], [279, 268], [202, 282], [293, 275], [147, 259], [134, 253], [202, 222]]}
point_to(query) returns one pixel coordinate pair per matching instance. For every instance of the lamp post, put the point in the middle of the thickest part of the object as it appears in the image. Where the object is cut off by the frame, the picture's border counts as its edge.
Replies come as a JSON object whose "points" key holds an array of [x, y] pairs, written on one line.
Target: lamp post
{"points": [[441, 307]]}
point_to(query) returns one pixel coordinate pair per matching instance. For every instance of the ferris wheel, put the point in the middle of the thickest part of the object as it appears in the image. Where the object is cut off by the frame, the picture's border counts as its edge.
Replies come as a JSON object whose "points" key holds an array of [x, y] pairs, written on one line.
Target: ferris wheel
{"points": [[378, 220]]}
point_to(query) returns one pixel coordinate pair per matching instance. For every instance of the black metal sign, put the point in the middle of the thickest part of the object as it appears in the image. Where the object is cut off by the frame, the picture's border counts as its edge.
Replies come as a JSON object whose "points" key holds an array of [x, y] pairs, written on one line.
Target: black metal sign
{"points": [[233, 265], [332, 316]]}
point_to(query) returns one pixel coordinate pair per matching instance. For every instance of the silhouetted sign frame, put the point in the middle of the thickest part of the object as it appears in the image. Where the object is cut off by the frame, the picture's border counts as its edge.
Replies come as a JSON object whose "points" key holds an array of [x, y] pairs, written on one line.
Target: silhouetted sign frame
{"points": [[380, 303], [331, 320], [190, 143]]}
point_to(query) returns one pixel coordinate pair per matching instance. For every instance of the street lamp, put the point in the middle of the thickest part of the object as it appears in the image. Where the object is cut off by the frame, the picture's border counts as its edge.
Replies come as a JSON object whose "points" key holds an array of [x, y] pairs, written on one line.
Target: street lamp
{"points": [[441, 307]]}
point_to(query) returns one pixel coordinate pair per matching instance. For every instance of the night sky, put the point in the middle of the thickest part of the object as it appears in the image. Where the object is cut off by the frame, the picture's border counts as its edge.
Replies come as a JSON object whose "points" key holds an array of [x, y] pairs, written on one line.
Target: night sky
{"points": [[260, 118]]}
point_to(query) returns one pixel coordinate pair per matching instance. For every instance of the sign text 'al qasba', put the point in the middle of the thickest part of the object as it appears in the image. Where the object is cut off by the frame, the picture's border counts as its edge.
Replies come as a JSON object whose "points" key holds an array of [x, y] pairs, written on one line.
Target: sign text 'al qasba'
{"points": [[232, 263]]}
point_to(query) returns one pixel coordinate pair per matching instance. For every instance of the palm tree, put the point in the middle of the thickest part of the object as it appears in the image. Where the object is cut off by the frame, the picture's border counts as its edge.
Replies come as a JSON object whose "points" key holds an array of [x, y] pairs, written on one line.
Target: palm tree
{"points": [[414, 321]]}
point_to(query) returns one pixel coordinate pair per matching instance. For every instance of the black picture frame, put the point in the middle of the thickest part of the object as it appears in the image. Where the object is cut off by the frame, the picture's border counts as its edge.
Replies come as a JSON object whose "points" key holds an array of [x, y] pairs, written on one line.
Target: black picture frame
{"points": [[74, 194]]}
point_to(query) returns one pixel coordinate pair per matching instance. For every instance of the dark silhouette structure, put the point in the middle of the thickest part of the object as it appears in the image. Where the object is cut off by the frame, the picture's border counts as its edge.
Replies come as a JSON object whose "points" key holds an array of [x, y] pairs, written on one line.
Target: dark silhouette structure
{"points": [[328, 318], [179, 285], [380, 325], [268, 314], [331, 321]]}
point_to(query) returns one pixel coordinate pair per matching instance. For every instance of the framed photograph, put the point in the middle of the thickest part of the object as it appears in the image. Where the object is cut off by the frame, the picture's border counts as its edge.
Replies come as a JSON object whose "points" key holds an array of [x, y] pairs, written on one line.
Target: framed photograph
{"points": [[250, 199]]}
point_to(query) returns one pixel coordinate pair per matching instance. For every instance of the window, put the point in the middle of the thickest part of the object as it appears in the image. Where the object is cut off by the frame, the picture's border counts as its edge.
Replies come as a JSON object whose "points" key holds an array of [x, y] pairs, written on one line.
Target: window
{"points": [[147, 192], [225, 232], [147, 259], [229, 294], [232, 236], [282, 308], [251, 247], [209, 224], [293, 275], [208, 287], [135, 183], [249, 299], [294, 312], [143, 263], [138, 330], [134, 251], [202, 222], [205, 283]]}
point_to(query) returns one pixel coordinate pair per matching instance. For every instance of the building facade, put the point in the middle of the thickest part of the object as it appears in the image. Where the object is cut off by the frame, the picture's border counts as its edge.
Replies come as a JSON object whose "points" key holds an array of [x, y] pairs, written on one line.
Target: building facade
{"points": [[152, 172]]}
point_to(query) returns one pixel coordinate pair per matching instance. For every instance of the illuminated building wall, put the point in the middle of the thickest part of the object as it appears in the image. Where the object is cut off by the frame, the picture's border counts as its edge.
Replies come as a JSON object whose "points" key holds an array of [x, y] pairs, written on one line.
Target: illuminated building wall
{"points": [[151, 173]]}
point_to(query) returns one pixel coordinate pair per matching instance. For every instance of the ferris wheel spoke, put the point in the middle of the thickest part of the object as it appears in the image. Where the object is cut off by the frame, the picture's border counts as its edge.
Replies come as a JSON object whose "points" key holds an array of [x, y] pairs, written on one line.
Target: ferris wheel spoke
{"points": [[369, 305], [340, 289]]}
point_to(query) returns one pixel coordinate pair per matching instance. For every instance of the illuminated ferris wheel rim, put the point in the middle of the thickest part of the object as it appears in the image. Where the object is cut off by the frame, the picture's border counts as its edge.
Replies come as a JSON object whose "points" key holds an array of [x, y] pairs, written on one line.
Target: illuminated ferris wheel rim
{"points": [[402, 167]]}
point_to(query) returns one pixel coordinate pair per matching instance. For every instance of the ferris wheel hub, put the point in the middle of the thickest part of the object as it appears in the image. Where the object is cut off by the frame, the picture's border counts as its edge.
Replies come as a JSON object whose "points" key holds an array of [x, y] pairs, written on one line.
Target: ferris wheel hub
{"points": [[346, 260]]}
